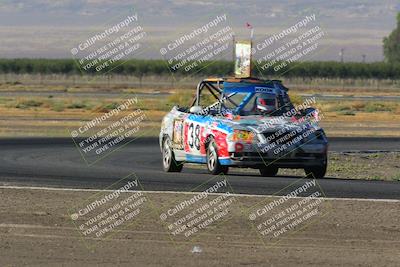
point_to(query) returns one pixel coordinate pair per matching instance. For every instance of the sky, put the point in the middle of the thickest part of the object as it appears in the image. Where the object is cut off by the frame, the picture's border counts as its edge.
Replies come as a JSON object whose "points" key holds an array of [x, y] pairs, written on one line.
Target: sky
{"points": [[50, 28]]}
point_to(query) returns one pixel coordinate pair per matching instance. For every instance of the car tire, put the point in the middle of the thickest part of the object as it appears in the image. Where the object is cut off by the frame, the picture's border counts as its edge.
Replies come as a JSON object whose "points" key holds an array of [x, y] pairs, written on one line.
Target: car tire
{"points": [[269, 171], [316, 172], [213, 164], [169, 162]]}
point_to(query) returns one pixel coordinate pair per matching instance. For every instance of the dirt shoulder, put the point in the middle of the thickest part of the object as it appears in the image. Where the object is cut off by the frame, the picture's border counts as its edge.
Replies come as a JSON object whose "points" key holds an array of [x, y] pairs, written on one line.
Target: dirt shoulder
{"points": [[36, 229], [366, 166]]}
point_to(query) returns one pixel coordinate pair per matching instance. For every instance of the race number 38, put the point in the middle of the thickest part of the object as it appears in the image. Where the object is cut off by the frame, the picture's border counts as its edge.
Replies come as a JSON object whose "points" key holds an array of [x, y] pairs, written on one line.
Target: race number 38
{"points": [[194, 136]]}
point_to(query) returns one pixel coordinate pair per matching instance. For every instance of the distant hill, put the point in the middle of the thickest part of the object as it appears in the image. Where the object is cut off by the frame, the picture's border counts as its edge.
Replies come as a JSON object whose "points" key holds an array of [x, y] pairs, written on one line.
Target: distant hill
{"points": [[49, 28]]}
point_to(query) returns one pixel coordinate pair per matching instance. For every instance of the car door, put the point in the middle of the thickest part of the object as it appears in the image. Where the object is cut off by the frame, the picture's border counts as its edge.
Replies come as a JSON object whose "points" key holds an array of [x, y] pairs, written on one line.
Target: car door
{"points": [[194, 135]]}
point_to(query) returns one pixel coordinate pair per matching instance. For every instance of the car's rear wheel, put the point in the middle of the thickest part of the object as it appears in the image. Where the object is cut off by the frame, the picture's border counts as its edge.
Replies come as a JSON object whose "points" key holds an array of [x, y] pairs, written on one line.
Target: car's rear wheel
{"points": [[269, 171], [169, 162], [213, 164], [318, 171]]}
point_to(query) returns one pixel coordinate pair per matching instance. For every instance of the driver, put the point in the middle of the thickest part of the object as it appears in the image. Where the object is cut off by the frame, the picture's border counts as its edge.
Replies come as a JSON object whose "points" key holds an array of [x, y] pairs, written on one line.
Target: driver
{"points": [[265, 103]]}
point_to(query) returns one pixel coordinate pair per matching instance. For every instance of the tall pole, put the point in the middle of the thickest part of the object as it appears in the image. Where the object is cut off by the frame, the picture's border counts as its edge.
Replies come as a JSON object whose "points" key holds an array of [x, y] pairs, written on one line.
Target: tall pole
{"points": [[341, 55], [251, 44], [233, 53], [251, 49]]}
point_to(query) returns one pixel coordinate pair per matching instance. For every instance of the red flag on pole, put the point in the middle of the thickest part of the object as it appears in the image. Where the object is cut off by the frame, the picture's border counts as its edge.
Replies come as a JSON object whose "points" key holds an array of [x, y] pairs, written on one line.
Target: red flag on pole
{"points": [[250, 27]]}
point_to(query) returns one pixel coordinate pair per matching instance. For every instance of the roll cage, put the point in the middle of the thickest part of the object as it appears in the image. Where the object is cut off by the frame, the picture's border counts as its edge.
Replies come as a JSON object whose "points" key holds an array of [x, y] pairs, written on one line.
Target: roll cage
{"points": [[216, 87]]}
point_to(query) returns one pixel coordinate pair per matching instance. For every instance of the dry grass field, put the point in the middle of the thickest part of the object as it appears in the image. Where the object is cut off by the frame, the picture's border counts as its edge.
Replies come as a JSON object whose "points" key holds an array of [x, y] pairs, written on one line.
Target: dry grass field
{"points": [[52, 105]]}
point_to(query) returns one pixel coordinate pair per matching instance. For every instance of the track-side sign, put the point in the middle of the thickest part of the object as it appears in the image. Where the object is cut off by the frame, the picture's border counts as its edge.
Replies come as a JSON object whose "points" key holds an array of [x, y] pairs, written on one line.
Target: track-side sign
{"points": [[243, 59]]}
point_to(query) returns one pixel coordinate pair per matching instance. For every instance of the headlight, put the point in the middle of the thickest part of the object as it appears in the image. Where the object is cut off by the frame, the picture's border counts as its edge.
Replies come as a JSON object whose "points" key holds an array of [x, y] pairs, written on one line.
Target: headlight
{"points": [[241, 135]]}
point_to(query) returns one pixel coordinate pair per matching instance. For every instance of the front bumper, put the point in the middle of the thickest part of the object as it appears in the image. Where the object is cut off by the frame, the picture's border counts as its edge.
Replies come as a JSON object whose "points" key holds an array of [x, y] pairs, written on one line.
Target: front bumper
{"points": [[312, 155], [257, 160]]}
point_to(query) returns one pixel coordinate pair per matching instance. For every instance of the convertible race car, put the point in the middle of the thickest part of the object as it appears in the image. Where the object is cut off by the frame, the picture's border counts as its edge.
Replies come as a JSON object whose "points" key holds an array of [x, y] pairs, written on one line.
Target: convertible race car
{"points": [[249, 123]]}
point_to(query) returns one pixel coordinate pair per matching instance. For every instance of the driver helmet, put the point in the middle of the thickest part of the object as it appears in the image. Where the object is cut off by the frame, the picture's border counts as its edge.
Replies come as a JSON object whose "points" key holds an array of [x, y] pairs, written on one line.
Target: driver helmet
{"points": [[266, 103]]}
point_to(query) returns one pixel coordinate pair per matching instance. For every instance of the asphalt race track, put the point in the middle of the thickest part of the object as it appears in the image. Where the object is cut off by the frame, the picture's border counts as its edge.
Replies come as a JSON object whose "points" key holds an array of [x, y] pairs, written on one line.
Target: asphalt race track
{"points": [[56, 162]]}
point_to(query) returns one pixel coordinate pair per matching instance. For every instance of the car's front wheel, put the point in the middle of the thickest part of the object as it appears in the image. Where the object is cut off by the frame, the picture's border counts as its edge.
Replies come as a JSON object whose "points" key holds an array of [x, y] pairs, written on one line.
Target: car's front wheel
{"points": [[213, 164], [169, 162], [269, 171], [318, 171]]}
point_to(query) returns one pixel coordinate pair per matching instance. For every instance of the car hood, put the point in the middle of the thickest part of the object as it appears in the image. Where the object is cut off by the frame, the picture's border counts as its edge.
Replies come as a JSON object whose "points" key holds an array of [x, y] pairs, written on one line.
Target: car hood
{"points": [[259, 123]]}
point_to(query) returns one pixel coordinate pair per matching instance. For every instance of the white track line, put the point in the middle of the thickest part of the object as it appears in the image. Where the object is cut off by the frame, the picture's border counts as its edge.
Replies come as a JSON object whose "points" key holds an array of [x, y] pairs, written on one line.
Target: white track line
{"points": [[186, 193]]}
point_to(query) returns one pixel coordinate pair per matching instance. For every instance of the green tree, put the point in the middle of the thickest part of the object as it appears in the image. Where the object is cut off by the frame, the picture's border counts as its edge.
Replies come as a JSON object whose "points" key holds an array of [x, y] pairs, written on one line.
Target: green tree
{"points": [[391, 44]]}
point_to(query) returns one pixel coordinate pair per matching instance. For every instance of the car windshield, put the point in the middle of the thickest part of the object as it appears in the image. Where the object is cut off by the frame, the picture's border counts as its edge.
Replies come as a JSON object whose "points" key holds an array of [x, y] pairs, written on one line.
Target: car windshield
{"points": [[247, 104]]}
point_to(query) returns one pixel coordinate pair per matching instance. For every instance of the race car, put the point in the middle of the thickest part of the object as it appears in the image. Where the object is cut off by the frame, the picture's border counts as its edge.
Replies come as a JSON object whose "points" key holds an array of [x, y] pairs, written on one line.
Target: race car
{"points": [[247, 123]]}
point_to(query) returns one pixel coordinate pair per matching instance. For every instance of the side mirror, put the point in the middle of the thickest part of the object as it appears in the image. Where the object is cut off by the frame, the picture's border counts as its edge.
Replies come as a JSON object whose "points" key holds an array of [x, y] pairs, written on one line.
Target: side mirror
{"points": [[196, 109], [309, 111]]}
